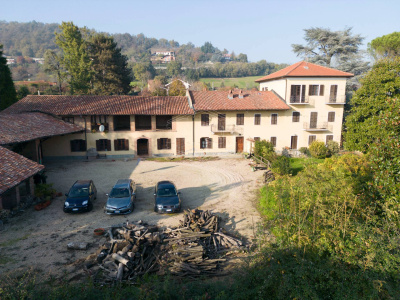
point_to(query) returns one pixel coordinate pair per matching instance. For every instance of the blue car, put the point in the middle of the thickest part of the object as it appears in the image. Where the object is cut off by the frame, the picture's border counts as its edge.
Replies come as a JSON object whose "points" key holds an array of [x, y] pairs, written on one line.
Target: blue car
{"points": [[121, 198], [167, 198], [80, 197]]}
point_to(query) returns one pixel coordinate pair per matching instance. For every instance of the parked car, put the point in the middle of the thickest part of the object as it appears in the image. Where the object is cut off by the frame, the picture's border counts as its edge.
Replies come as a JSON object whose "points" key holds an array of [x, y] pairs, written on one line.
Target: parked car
{"points": [[167, 198], [121, 198], [80, 196]]}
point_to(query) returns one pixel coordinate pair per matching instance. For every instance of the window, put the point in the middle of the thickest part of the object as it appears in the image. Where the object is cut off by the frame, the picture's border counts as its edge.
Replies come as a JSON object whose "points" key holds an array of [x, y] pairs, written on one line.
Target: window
{"points": [[293, 142], [297, 94], [331, 116], [221, 122], [240, 119], [164, 122], [222, 142], [257, 119], [311, 138], [315, 90], [205, 120], [103, 145], [205, 143], [274, 119], [142, 123], [163, 144], [257, 139], [122, 123], [96, 121], [68, 119], [273, 141], [296, 116], [329, 137], [78, 145], [333, 94], [121, 145]]}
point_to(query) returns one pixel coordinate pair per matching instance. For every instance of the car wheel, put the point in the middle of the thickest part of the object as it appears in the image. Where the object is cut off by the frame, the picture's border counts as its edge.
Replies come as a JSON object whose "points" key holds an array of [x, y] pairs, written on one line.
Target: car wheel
{"points": [[90, 206]]}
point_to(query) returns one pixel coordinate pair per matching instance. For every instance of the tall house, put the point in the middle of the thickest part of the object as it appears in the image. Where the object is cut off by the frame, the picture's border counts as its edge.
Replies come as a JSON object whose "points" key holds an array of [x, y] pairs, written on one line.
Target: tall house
{"points": [[316, 96]]}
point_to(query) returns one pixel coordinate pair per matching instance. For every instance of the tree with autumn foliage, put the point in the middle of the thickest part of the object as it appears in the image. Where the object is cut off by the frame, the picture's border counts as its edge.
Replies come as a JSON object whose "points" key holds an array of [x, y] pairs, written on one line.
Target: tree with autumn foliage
{"points": [[177, 88]]}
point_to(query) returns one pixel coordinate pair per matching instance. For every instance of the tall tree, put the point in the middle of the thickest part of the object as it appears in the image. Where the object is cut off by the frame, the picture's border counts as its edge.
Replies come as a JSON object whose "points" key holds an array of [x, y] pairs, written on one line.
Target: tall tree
{"points": [[75, 57], [8, 95], [176, 88], [110, 67], [174, 69], [385, 46], [53, 64], [369, 102]]}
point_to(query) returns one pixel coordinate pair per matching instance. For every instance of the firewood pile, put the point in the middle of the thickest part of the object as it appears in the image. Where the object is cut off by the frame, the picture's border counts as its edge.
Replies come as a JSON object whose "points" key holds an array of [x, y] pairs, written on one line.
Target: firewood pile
{"points": [[268, 176], [198, 247]]}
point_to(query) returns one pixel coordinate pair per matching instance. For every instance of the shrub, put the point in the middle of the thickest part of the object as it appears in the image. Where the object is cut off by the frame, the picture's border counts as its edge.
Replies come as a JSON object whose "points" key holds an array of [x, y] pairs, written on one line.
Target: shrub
{"points": [[281, 165], [265, 149], [318, 149], [285, 152], [305, 151], [333, 148]]}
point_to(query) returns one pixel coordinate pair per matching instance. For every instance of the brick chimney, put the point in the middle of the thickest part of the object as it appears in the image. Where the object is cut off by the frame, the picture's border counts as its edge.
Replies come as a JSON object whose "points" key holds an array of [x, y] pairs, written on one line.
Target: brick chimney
{"points": [[230, 94], [240, 94]]}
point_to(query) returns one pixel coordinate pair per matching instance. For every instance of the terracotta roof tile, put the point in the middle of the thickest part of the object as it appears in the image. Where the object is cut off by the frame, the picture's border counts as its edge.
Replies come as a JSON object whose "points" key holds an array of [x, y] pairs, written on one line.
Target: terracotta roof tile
{"points": [[102, 105], [16, 128], [305, 69], [252, 100], [15, 168]]}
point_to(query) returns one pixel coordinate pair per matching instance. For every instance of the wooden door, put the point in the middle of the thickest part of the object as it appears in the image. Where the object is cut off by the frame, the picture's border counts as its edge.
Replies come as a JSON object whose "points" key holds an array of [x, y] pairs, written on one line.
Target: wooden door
{"points": [[180, 146], [293, 142], [239, 144], [221, 122], [142, 147], [313, 120]]}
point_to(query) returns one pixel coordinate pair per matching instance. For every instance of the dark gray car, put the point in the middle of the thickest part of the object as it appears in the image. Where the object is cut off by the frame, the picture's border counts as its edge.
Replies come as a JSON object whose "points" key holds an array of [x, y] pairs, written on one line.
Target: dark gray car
{"points": [[166, 197], [121, 198]]}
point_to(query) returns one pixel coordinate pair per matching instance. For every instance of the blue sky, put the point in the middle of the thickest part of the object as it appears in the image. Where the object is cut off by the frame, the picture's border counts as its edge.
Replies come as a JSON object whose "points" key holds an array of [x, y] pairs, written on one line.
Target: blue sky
{"points": [[261, 29]]}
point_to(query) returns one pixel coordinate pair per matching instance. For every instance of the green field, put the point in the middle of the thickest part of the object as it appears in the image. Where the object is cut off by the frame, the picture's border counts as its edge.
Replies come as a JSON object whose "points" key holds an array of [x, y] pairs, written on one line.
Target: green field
{"points": [[240, 82]]}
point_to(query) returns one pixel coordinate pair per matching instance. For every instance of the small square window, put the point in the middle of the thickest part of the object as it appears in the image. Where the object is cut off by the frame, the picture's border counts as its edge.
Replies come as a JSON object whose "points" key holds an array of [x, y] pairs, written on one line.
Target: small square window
{"points": [[296, 116], [257, 119], [274, 119]]}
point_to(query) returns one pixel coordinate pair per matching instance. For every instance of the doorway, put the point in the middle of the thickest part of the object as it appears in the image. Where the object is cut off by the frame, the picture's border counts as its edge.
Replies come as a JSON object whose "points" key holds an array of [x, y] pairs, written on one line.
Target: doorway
{"points": [[142, 147], [239, 144]]}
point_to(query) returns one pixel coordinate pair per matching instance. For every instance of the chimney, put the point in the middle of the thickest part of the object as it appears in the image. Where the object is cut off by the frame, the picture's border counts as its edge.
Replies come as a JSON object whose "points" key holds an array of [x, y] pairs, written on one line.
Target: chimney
{"points": [[240, 94], [230, 94]]}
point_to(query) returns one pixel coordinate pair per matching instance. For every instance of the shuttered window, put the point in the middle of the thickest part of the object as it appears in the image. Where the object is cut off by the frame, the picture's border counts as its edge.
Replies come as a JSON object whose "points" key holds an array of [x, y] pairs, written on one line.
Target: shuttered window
{"points": [[222, 142], [206, 143], [205, 119], [103, 145], [163, 144], [311, 138], [274, 119], [331, 116], [240, 119], [296, 116], [273, 141], [68, 119], [78, 145], [329, 138], [257, 139], [121, 145], [257, 119]]}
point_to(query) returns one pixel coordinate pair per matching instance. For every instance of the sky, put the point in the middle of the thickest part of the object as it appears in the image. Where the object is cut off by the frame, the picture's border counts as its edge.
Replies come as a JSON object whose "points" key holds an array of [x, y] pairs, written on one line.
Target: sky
{"points": [[261, 29]]}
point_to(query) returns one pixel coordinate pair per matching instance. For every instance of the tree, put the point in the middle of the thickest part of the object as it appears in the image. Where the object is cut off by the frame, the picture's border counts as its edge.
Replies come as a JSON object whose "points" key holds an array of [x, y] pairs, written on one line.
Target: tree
{"points": [[23, 91], [8, 95], [177, 88], [75, 58], [111, 74], [242, 57], [53, 65], [385, 46], [143, 71], [363, 122], [208, 48], [174, 69]]}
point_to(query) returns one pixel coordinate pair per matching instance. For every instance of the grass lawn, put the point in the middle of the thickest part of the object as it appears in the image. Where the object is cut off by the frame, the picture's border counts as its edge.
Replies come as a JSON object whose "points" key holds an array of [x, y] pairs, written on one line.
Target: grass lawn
{"points": [[241, 82], [297, 163]]}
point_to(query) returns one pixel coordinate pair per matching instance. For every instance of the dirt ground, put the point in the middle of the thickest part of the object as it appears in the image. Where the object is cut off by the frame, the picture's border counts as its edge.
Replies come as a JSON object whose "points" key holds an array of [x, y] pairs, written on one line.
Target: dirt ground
{"points": [[38, 239]]}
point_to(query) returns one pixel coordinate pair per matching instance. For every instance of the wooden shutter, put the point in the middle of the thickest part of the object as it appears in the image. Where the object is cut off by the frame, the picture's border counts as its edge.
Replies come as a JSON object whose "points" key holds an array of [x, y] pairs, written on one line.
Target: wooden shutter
{"points": [[209, 143], [313, 119], [331, 116], [303, 93], [180, 146], [293, 142], [126, 144], [274, 119], [116, 146], [159, 144], [221, 122], [168, 144], [332, 96], [240, 119], [329, 138], [273, 141], [108, 142], [98, 145], [311, 139], [321, 90], [222, 142], [257, 119]]}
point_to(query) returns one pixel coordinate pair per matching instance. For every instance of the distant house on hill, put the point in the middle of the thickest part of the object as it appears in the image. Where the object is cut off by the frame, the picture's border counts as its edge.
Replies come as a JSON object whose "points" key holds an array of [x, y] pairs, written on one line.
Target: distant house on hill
{"points": [[162, 56]]}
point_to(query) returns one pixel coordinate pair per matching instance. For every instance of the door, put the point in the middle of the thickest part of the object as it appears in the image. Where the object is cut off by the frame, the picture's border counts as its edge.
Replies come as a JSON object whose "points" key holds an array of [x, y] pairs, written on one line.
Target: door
{"points": [[239, 144], [313, 120], [221, 122], [293, 142], [180, 146], [142, 147]]}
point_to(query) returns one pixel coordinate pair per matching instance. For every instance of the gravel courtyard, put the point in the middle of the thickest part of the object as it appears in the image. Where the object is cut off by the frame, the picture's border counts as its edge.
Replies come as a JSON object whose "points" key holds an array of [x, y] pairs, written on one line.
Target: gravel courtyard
{"points": [[38, 239]]}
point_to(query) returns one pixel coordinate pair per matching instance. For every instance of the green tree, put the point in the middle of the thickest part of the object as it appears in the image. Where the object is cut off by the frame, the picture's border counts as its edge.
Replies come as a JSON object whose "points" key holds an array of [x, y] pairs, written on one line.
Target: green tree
{"points": [[75, 58], [143, 71], [8, 95], [53, 65], [177, 88], [363, 123], [23, 91], [207, 48], [174, 69], [385, 46], [242, 58], [111, 74]]}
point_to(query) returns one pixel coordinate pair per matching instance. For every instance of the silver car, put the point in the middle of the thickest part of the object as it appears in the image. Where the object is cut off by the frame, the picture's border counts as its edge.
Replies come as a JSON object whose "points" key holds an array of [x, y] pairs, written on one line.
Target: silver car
{"points": [[121, 198]]}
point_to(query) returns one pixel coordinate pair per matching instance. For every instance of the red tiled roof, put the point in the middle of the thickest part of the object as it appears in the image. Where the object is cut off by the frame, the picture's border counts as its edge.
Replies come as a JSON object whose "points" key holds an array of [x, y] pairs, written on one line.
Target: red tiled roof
{"points": [[15, 168], [305, 69], [252, 100], [102, 105], [16, 128]]}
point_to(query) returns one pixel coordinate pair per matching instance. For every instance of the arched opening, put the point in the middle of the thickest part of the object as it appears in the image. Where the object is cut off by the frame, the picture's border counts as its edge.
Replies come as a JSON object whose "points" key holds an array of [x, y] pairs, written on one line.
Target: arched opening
{"points": [[142, 147]]}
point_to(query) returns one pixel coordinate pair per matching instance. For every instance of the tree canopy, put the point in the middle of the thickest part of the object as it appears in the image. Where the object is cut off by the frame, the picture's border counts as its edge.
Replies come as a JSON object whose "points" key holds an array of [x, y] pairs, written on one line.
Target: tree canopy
{"points": [[385, 46], [8, 95]]}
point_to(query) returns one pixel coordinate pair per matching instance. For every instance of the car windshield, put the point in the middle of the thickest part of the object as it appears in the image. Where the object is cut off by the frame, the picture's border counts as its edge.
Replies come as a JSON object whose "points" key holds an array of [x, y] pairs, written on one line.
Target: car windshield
{"points": [[119, 193], [166, 192], [78, 192]]}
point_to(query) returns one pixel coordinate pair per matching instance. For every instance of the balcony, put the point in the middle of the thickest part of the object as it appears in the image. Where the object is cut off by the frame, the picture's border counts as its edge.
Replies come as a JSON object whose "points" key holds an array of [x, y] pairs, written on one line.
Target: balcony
{"points": [[307, 126], [297, 100], [95, 127], [232, 129], [336, 100]]}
